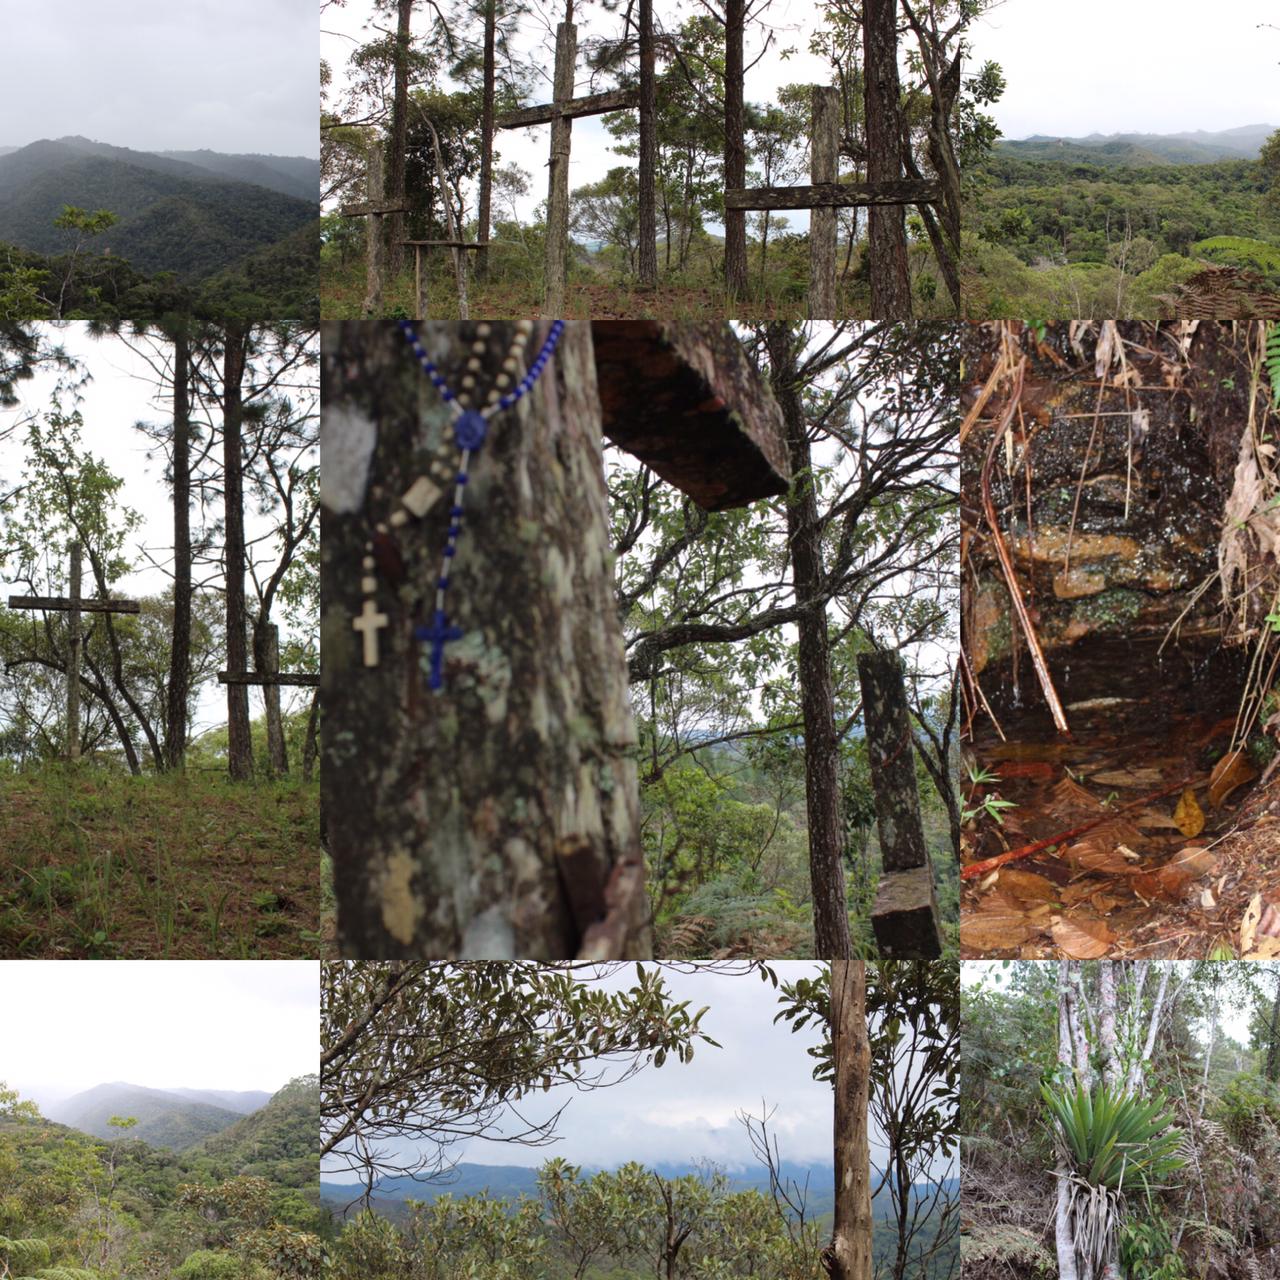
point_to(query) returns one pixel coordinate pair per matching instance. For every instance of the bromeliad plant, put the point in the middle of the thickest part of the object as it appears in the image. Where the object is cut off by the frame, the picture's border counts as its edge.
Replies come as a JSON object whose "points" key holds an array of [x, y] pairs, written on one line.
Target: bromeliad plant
{"points": [[1114, 1142]]}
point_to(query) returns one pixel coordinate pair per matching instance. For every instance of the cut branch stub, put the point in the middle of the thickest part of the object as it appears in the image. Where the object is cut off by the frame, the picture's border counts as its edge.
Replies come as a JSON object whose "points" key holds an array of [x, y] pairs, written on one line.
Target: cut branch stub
{"points": [[684, 399]]}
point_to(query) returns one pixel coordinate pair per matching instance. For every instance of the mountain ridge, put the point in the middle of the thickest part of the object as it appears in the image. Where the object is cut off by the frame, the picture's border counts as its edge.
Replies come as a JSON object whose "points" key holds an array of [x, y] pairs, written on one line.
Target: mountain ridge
{"points": [[165, 1118], [1133, 149]]}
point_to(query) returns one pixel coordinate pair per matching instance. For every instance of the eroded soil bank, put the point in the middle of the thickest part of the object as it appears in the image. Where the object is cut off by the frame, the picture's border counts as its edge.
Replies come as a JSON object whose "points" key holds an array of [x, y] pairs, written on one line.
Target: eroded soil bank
{"points": [[1106, 457]]}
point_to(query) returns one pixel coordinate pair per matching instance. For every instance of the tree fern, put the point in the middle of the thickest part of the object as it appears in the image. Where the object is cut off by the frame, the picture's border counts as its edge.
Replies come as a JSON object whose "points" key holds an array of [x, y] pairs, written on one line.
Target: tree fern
{"points": [[18, 1256], [1273, 362]]}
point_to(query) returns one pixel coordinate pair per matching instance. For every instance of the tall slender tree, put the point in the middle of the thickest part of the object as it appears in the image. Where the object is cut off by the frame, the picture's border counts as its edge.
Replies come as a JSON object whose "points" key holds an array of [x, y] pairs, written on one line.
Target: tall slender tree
{"points": [[239, 739]]}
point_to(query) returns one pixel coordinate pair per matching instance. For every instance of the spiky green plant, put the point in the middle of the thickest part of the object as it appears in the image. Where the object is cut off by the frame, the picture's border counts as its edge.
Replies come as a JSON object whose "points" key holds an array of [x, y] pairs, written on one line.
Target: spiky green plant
{"points": [[1114, 1142]]}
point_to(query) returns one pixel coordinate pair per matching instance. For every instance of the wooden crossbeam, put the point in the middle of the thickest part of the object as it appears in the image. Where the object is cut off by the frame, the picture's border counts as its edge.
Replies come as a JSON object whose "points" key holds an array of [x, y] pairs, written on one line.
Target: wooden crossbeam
{"points": [[370, 209], [595, 104], [837, 195], [254, 677], [450, 244], [64, 605]]}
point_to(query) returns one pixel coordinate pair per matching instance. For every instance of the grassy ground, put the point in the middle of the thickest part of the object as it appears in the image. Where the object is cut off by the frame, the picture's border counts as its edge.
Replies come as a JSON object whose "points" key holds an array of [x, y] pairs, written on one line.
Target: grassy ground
{"points": [[102, 866], [342, 298]]}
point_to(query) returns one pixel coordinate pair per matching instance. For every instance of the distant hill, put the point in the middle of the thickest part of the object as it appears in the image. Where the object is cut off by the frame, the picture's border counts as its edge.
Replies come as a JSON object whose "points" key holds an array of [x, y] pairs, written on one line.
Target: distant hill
{"points": [[243, 1101], [1142, 150], [276, 1142], [164, 1119], [504, 1182], [192, 213]]}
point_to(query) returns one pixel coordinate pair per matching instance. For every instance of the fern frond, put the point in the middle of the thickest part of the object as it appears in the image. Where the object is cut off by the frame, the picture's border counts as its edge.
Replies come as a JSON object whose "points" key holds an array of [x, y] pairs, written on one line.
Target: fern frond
{"points": [[1272, 361]]}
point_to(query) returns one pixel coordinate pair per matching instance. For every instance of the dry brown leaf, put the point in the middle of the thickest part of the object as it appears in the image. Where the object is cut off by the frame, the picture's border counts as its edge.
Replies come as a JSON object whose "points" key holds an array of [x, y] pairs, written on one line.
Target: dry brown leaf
{"points": [[1153, 819], [1103, 903], [1194, 860], [1249, 924], [1069, 794], [1267, 949], [1188, 815], [1232, 771], [1082, 937], [1028, 885], [993, 930], [1207, 900]]}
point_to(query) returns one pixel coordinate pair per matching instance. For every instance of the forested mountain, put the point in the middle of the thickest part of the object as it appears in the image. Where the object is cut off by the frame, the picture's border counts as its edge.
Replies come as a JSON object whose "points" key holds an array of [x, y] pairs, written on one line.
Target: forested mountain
{"points": [[164, 1119], [172, 216], [244, 1101], [291, 175], [1198, 147], [77, 1206]]}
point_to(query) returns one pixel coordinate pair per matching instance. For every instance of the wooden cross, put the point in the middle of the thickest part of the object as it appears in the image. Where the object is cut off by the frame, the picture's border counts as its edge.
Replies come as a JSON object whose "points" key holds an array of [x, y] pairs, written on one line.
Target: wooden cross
{"points": [[560, 113], [369, 623], [500, 819], [375, 208], [74, 606], [905, 915], [825, 196], [419, 282]]}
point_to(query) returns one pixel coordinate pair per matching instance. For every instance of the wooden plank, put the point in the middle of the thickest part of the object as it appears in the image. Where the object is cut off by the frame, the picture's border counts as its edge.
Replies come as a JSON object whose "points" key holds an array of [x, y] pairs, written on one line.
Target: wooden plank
{"points": [[251, 677], [904, 918], [63, 604], [822, 221], [683, 398], [834, 195], [452, 244], [595, 104], [369, 208]]}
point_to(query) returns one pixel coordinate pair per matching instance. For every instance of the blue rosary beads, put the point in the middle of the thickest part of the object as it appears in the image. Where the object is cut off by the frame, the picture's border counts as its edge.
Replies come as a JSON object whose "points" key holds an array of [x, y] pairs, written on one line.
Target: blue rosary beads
{"points": [[470, 427]]}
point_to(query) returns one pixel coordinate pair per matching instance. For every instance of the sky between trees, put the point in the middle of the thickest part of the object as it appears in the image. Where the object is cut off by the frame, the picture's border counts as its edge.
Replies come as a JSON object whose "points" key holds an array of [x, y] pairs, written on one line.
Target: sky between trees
{"points": [[227, 75], [1131, 67]]}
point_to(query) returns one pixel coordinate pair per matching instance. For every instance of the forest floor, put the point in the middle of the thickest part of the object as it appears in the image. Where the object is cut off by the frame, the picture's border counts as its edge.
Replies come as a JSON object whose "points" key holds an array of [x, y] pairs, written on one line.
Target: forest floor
{"points": [[102, 866], [342, 292]]}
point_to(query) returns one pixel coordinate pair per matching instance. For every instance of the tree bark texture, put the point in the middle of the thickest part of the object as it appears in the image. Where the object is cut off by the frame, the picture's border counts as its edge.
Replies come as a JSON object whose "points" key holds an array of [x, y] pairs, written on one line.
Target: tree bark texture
{"points": [[484, 211], [399, 138], [374, 235], [905, 916], [179, 688], [647, 261], [887, 241], [557, 246], [498, 817], [239, 738], [1112, 1069], [821, 757], [851, 1239], [735, 151], [825, 143]]}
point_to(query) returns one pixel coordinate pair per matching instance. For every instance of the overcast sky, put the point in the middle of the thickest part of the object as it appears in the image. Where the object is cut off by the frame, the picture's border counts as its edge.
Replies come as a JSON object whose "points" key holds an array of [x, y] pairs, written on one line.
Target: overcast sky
{"points": [[198, 1024], [1132, 66], [227, 75], [688, 1112], [120, 393], [792, 21]]}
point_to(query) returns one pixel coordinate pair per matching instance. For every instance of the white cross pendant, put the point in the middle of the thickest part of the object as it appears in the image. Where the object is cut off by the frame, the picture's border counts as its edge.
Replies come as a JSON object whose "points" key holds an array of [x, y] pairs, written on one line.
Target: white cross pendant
{"points": [[368, 624]]}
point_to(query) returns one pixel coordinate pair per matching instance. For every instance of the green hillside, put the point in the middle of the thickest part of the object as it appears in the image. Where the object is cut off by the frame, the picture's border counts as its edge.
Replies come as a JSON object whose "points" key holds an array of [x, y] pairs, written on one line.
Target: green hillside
{"points": [[164, 1119], [277, 1142], [291, 175]]}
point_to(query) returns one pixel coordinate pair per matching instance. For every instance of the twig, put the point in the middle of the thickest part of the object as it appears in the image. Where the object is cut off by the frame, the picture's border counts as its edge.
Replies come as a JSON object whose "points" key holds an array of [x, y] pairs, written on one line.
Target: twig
{"points": [[1006, 563], [990, 864]]}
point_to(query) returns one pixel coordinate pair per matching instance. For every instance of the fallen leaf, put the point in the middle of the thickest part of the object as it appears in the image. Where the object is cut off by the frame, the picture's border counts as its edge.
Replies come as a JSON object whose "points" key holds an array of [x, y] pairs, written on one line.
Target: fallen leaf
{"points": [[1232, 771], [1151, 819], [1070, 795], [1082, 938], [1028, 885], [1188, 815], [1194, 860], [1267, 949], [1207, 900], [1104, 902], [1036, 770], [993, 930], [1249, 925], [988, 880]]}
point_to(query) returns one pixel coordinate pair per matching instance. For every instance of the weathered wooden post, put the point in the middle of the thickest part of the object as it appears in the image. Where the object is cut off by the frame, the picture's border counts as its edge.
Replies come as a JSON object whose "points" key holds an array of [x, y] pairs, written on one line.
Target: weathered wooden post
{"points": [[561, 112], [497, 818], [825, 146], [74, 606], [375, 208], [905, 915]]}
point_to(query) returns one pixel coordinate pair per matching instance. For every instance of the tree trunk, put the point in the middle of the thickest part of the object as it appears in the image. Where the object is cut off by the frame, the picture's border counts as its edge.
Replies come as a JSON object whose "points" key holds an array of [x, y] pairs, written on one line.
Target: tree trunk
{"points": [[73, 658], [1273, 1042], [266, 661], [735, 151], [887, 239], [399, 138], [180, 654], [851, 1235], [496, 817], [1112, 1069], [1063, 1230], [239, 740], [555, 259], [821, 757], [824, 168], [648, 158], [484, 212], [311, 743]]}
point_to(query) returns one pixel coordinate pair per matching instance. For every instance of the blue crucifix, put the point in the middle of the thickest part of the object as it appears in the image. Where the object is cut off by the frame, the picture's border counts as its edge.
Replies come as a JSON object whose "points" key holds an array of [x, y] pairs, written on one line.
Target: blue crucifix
{"points": [[439, 633]]}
